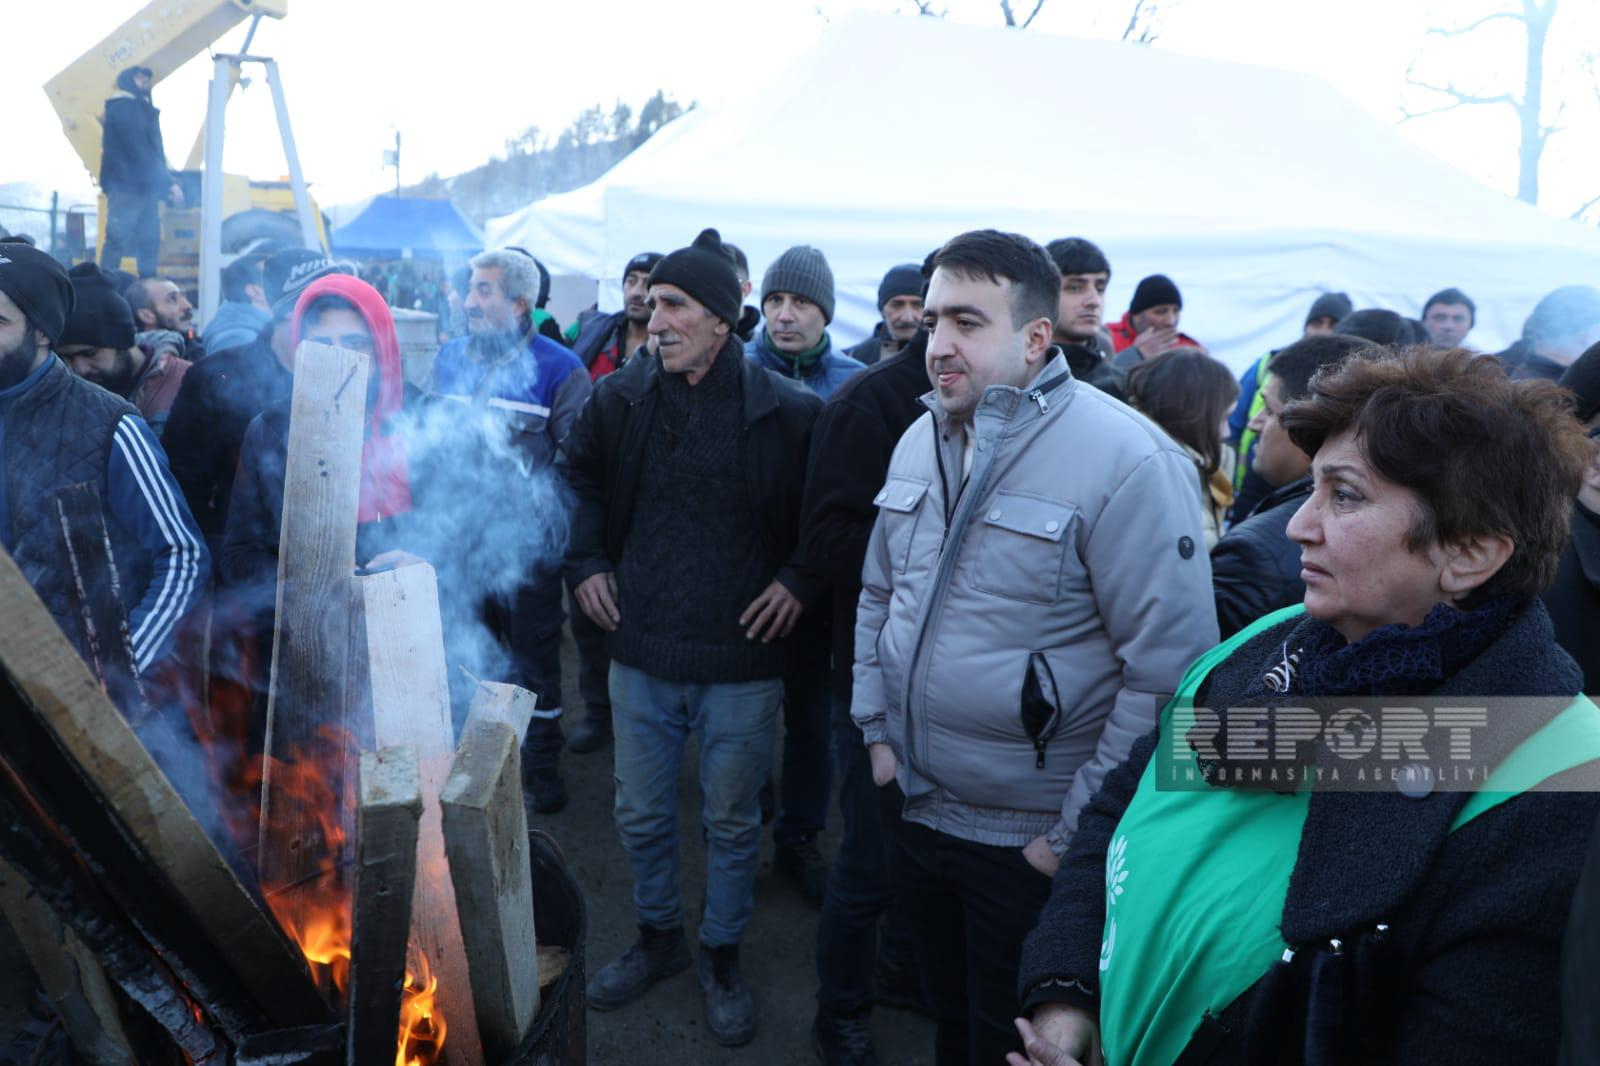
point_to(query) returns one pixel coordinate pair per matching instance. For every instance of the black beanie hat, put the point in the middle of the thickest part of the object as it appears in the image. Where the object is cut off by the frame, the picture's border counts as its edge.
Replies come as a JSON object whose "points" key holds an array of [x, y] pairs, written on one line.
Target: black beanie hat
{"points": [[642, 263], [1583, 378], [902, 280], [1334, 305], [100, 316], [704, 271], [38, 285], [1154, 291]]}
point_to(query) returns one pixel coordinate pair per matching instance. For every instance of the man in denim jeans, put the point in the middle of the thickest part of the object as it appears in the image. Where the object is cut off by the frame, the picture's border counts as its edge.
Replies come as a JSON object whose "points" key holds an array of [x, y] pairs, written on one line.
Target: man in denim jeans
{"points": [[688, 481]]}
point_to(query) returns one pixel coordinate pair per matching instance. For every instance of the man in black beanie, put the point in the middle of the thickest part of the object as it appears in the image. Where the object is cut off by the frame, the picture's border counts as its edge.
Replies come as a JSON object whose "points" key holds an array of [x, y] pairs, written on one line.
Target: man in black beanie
{"points": [[1573, 600], [688, 472], [900, 304], [57, 430], [134, 174], [98, 344], [1150, 325]]}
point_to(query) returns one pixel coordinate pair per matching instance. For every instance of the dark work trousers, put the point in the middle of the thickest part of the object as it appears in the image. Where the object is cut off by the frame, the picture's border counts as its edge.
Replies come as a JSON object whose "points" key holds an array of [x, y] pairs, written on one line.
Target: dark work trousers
{"points": [[807, 694], [861, 886], [971, 905], [529, 628], [133, 228], [594, 662]]}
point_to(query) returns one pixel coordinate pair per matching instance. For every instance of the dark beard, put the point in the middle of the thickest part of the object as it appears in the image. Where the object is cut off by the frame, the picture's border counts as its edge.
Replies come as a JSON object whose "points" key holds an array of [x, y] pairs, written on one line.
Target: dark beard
{"points": [[18, 362], [119, 380], [494, 347]]}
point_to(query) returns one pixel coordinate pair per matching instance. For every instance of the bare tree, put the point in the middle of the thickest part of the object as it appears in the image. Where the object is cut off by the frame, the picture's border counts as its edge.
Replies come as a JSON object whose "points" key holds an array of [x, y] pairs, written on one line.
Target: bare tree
{"points": [[1534, 18], [925, 7], [1141, 28], [1011, 18]]}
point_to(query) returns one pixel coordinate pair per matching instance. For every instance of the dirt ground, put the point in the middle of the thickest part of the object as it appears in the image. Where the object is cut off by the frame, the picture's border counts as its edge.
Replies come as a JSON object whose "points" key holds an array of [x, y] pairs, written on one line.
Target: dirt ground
{"points": [[666, 1027]]}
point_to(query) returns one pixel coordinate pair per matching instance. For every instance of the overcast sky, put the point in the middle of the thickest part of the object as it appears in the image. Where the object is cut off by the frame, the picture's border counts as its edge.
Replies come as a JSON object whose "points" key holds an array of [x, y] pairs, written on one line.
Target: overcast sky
{"points": [[458, 78]]}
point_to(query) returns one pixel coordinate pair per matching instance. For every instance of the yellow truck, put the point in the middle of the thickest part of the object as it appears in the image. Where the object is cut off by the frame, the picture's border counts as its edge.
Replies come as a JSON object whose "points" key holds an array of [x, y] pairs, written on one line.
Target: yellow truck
{"points": [[163, 36]]}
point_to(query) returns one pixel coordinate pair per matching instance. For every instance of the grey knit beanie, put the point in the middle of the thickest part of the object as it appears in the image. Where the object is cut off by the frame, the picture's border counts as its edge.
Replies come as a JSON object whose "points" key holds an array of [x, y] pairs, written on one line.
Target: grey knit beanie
{"points": [[803, 271]]}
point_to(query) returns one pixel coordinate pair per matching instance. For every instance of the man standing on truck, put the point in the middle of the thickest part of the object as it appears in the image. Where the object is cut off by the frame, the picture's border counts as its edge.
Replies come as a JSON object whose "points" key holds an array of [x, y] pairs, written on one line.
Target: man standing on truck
{"points": [[134, 174]]}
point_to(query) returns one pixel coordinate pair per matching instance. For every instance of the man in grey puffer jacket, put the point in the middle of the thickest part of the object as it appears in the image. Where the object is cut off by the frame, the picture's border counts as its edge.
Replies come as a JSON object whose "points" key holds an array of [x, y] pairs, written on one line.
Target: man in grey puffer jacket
{"points": [[1032, 589]]}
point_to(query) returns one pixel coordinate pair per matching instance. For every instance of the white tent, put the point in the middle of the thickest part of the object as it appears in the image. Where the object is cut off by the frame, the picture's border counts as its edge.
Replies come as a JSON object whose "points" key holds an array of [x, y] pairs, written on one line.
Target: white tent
{"points": [[1253, 188]]}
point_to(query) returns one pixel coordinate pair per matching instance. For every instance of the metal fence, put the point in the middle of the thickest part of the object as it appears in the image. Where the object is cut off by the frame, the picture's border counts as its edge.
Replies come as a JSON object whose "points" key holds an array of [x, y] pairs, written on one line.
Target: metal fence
{"points": [[66, 232]]}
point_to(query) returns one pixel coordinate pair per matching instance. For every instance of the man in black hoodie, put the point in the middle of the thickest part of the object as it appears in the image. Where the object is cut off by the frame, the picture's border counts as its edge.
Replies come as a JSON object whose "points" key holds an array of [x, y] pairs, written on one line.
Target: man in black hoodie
{"points": [[134, 174]]}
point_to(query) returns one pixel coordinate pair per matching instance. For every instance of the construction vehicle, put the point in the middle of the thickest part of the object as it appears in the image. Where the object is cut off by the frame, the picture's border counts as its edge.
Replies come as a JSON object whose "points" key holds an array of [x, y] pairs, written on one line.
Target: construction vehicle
{"points": [[222, 213]]}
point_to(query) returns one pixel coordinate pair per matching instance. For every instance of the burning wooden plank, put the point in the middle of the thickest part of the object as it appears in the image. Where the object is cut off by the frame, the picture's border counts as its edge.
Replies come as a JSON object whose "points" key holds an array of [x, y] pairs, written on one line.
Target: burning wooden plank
{"points": [[311, 1045], [486, 838], [83, 768], [316, 557], [96, 588], [411, 707], [386, 875], [71, 978]]}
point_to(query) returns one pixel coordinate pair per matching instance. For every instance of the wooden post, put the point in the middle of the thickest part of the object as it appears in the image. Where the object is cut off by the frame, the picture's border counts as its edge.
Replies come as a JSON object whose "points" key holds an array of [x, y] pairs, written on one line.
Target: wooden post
{"points": [[73, 981], [386, 875], [495, 701], [316, 558], [411, 707], [97, 589], [486, 838], [85, 768]]}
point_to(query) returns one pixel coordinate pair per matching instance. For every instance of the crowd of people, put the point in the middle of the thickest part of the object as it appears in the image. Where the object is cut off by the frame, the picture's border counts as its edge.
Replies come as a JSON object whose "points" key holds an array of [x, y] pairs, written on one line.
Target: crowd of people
{"points": [[979, 567]]}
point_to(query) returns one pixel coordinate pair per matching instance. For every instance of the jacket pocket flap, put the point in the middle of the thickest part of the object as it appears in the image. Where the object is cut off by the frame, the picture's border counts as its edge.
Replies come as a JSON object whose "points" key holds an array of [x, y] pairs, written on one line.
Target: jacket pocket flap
{"points": [[901, 494], [1029, 515]]}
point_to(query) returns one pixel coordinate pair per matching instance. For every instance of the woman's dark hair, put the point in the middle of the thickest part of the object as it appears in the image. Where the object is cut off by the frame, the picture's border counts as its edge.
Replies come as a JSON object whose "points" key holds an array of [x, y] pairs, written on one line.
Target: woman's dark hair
{"points": [[1188, 394], [1487, 455]]}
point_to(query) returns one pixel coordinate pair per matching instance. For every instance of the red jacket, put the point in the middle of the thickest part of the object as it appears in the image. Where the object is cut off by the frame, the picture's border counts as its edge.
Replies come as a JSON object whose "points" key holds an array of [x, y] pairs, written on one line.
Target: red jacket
{"points": [[1123, 335]]}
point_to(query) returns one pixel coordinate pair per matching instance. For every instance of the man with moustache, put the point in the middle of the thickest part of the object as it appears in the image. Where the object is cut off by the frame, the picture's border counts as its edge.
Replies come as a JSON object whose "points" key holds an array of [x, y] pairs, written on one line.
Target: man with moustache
{"points": [[605, 342], [688, 470], [900, 303], [57, 430], [158, 303], [1020, 618], [531, 388], [99, 345]]}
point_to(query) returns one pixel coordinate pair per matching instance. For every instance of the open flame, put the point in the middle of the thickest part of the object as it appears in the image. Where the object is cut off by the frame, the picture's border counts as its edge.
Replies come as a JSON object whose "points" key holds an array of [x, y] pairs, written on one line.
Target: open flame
{"points": [[422, 1027], [315, 913]]}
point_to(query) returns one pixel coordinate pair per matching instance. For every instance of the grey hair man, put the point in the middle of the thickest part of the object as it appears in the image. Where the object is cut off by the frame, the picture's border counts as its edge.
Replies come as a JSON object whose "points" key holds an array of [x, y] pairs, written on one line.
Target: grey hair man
{"points": [[530, 389]]}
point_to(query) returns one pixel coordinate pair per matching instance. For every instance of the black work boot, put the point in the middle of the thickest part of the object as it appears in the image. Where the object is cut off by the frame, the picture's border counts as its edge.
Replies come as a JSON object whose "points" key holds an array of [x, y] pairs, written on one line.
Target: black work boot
{"points": [[541, 766], [592, 733], [730, 1012], [843, 1039], [655, 956], [801, 864]]}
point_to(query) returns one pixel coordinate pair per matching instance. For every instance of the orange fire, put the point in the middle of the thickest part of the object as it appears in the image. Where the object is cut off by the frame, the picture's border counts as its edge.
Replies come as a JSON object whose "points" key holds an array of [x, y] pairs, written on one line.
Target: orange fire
{"points": [[316, 912], [422, 1027]]}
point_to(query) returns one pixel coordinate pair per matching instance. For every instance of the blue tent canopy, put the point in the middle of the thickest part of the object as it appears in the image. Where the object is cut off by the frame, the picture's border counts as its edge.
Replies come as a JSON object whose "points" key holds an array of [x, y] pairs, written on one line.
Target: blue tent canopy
{"points": [[393, 225]]}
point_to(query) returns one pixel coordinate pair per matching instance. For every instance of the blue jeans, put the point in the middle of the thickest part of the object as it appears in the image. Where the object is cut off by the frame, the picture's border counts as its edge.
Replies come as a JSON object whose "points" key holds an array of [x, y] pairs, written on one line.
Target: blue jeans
{"points": [[861, 886], [733, 724]]}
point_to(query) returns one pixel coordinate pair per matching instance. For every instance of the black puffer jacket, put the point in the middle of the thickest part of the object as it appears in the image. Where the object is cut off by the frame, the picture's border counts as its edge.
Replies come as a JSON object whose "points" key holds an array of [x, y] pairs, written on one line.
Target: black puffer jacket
{"points": [[1468, 971], [132, 157], [1574, 599], [1255, 567], [605, 453]]}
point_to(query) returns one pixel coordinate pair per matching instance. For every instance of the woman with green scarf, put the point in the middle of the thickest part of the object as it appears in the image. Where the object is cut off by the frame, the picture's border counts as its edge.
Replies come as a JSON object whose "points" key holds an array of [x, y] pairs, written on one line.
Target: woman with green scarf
{"points": [[1284, 871]]}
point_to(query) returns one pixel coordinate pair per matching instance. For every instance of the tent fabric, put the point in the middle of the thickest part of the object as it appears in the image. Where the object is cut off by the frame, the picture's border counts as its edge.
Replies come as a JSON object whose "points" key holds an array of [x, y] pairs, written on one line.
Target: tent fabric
{"points": [[390, 226], [1254, 189]]}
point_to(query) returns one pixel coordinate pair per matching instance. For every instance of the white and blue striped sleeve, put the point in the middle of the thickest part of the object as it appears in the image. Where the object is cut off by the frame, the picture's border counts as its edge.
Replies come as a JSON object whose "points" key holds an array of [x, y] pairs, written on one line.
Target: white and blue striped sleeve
{"points": [[144, 498]]}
